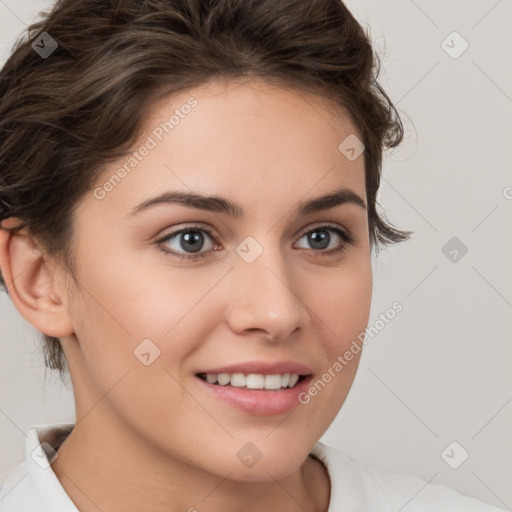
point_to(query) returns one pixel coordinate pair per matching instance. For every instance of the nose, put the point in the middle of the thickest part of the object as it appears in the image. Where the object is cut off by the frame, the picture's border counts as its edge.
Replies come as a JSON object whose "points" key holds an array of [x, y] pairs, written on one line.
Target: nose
{"points": [[267, 298]]}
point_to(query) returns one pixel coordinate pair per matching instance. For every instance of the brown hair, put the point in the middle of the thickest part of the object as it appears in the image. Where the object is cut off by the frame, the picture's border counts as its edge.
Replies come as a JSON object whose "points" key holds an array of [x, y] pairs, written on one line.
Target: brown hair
{"points": [[65, 114]]}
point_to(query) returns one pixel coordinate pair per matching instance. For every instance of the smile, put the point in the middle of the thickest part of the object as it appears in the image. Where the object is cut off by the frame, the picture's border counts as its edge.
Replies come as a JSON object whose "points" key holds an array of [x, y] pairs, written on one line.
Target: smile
{"points": [[252, 380]]}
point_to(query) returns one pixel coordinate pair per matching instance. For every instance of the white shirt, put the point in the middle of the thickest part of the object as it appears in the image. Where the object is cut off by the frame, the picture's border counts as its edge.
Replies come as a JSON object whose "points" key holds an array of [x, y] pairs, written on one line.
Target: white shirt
{"points": [[33, 486]]}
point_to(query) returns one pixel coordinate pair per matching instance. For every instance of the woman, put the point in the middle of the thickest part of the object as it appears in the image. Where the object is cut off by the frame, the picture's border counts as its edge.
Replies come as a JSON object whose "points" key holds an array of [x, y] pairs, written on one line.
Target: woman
{"points": [[189, 209]]}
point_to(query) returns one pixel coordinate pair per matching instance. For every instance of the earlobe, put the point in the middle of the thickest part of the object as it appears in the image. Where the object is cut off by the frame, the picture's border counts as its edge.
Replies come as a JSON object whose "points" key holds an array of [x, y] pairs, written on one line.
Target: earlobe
{"points": [[31, 282]]}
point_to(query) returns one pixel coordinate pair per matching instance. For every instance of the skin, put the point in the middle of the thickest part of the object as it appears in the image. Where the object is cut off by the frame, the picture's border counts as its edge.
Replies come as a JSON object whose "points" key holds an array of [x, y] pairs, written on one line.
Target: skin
{"points": [[150, 437]]}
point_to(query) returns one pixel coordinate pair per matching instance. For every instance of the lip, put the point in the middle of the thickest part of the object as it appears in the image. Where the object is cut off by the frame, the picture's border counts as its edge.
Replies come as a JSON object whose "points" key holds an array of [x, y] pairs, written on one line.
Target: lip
{"points": [[261, 402], [261, 367]]}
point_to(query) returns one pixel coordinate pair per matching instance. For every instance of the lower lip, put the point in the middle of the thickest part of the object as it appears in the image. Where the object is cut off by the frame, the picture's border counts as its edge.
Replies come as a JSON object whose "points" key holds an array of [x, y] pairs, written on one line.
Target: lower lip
{"points": [[259, 401]]}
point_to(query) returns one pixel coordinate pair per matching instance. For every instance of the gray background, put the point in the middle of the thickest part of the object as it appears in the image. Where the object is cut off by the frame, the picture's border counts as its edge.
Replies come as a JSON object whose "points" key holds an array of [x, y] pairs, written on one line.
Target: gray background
{"points": [[441, 370]]}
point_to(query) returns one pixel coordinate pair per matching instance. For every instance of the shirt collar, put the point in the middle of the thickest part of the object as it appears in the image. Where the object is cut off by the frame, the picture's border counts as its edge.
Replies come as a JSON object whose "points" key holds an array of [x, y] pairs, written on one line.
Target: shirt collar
{"points": [[42, 440]]}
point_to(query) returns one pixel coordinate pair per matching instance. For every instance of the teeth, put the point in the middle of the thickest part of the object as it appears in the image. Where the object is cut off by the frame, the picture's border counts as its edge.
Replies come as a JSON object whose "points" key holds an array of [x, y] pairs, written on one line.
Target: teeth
{"points": [[223, 378], [238, 380], [211, 378], [272, 381], [254, 380]]}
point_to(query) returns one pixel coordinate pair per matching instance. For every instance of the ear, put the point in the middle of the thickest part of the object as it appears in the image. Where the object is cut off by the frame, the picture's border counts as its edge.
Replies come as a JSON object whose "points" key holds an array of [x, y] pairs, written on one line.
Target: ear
{"points": [[34, 282]]}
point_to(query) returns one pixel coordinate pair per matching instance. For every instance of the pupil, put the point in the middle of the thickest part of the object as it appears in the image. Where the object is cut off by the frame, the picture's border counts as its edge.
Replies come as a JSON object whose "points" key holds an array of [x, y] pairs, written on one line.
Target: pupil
{"points": [[320, 236], [195, 238]]}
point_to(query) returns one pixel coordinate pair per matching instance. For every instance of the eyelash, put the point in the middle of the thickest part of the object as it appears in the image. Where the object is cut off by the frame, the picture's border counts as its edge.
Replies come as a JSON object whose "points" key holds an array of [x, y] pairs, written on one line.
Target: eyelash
{"points": [[344, 235]]}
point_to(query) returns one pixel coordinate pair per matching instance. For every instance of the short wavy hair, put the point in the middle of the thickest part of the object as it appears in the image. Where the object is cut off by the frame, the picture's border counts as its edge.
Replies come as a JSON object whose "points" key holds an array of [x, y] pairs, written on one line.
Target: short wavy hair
{"points": [[64, 116]]}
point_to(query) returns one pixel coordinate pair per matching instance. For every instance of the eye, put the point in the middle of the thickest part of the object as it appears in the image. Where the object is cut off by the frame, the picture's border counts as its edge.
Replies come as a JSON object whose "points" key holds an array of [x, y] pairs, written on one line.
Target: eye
{"points": [[187, 243], [190, 239], [320, 238]]}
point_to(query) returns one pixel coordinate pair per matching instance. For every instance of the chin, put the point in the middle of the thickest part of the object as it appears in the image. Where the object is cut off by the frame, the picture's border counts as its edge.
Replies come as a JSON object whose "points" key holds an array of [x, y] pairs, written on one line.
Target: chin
{"points": [[274, 467], [263, 459]]}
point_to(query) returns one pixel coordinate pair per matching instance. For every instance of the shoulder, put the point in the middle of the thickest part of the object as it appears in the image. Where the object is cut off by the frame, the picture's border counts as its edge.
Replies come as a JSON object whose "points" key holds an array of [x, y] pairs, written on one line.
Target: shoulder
{"points": [[359, 487], [18, 492]]}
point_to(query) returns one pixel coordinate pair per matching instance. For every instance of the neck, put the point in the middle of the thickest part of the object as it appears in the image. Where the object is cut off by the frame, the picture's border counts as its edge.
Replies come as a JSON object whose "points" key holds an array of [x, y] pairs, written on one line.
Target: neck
{"points": [[105, 466]]}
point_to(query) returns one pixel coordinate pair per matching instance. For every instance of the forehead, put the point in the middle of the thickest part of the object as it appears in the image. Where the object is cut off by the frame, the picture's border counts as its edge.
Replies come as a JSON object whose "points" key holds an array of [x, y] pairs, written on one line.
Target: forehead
{"points": [[243, 102], [250, 140]]}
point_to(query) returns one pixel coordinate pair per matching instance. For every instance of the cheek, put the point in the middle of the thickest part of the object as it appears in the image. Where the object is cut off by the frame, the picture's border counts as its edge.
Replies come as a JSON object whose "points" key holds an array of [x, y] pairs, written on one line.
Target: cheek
{"points": [[343, 305], [342, 308], [126, 302]]}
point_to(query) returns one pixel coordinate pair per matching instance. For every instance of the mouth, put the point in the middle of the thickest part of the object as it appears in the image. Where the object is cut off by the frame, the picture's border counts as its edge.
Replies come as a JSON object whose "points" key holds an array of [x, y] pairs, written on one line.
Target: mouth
{"points": [[253, 381], [257, 388]]}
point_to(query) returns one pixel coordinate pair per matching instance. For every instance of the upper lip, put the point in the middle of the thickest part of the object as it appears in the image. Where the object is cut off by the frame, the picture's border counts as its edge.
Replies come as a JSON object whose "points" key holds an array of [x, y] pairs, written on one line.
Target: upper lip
{"points": [[261, 367]]}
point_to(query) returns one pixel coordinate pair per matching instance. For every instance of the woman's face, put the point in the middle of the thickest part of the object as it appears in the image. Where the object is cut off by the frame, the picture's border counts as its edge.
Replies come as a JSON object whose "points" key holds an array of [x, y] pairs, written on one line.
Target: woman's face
{"points": [[264, 280]]}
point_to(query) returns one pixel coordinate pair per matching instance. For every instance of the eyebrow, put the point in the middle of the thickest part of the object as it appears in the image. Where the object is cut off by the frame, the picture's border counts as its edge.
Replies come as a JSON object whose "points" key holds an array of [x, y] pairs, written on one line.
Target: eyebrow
{"points": [[219, 204]]}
